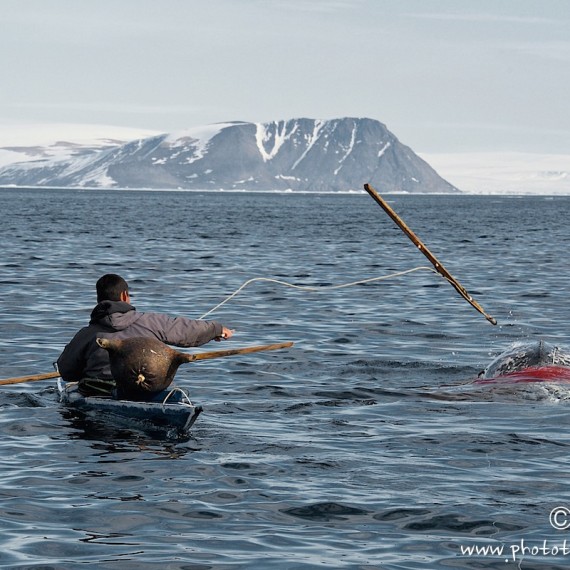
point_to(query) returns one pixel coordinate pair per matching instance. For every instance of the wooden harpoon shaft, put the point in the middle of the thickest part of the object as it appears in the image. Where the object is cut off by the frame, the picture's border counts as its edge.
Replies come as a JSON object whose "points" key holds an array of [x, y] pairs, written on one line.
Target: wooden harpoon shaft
{"points": [[432, 258]]}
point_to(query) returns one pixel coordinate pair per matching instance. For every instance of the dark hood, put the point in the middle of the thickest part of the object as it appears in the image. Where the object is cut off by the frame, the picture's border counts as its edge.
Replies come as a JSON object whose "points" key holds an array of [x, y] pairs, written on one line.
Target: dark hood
{"points": [[114, 314]]}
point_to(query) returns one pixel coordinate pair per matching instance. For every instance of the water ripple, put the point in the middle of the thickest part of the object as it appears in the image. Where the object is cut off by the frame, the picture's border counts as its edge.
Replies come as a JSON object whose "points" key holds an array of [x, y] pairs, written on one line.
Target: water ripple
{"points": [[367, 445]]}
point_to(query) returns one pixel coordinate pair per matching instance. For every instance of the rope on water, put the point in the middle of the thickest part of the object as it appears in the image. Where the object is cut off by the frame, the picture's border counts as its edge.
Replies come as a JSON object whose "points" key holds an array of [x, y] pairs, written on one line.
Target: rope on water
{"points": [[319, 289]]}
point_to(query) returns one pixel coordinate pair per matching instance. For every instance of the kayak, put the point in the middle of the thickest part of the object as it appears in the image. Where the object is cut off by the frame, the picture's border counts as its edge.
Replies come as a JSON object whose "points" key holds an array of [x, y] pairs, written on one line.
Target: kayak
{"points": [[179, 413]]}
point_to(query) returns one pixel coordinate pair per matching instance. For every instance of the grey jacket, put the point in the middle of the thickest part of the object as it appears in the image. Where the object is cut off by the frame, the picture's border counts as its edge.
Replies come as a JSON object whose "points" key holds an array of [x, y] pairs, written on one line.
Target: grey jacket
{"points": [[83, 358]]}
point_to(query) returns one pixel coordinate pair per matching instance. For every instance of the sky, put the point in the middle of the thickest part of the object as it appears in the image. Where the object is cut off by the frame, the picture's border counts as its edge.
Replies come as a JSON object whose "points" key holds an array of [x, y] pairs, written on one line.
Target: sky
{"points": [[443, 75]]}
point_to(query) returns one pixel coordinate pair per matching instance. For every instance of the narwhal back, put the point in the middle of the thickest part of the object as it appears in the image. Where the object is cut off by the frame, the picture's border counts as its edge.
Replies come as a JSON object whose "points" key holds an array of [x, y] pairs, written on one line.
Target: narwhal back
{"points": [[527, 355]]}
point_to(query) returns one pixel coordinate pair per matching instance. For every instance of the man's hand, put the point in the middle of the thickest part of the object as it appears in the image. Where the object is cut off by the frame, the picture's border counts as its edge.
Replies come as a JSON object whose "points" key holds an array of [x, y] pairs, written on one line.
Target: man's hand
{"points": [[226, 333]]}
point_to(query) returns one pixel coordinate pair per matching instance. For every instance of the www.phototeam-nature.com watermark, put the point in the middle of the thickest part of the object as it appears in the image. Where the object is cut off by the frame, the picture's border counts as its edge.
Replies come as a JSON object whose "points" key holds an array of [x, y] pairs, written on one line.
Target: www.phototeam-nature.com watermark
{"points": [[559, 520]]}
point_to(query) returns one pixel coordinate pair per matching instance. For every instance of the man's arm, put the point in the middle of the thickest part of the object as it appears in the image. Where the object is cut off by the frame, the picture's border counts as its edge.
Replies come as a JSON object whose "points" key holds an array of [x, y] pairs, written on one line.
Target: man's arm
{"points": [[184, 332], [71, 362]]}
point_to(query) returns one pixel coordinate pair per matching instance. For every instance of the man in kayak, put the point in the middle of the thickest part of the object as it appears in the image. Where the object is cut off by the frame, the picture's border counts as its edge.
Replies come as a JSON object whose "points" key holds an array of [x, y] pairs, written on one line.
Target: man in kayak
{"points": [[85, 362]]}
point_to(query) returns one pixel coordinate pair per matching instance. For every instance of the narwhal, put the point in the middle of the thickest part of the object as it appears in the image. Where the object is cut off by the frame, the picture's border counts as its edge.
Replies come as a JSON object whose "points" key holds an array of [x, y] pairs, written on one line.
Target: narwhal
{"points": [[527, 357]]}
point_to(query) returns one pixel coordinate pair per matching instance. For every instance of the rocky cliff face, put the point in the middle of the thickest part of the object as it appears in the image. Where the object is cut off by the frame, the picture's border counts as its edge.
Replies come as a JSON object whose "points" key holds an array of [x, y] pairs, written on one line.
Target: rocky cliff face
{"points": [[299, 155]]}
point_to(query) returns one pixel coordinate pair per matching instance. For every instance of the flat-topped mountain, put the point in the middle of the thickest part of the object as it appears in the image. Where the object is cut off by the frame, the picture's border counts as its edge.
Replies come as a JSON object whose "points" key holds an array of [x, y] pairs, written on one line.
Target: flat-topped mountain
{"points": [[299, 155]]}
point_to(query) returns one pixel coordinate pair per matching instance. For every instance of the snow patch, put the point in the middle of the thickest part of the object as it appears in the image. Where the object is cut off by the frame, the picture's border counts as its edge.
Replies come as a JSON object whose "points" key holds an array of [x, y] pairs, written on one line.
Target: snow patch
{"points": [[10, 156], [348, 151], [283, 177], [312, 139], [196, 139], [383, 149], [263, 134], [504, 173], [101, 181]]}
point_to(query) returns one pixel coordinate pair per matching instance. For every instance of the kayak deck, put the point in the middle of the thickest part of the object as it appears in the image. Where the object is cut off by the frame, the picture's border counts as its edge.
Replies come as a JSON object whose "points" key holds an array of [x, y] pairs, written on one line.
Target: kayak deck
{"points": [[179, 415]]}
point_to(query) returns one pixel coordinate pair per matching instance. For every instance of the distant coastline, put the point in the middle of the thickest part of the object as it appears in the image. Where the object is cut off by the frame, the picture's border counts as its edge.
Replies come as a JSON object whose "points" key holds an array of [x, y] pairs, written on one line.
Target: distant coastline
{"points": [[485, 173]]}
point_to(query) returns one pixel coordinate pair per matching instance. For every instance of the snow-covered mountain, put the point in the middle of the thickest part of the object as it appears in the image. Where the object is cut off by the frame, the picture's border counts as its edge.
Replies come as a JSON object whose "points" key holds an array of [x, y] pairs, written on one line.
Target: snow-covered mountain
{"points": [[298, 155]]}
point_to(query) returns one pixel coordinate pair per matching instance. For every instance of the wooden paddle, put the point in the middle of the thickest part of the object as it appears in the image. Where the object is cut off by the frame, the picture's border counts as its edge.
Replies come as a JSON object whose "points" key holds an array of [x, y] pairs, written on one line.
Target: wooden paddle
{"points": [[32, 378], [232, 351], [199, 356], [433, 259]]}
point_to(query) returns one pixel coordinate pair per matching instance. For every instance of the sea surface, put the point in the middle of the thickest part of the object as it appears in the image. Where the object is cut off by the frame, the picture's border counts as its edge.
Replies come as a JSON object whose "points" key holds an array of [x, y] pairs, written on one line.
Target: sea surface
{"points": [[366, 445]]}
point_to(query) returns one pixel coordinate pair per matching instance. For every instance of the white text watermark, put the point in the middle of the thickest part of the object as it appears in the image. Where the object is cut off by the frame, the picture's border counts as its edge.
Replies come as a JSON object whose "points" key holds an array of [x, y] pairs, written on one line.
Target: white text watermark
{"points": [[559, 519], [517, 551]]}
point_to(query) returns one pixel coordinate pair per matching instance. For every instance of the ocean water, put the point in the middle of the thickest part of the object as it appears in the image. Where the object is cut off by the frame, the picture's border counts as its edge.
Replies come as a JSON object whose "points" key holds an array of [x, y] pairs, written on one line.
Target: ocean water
{"points": [[366, 445]]}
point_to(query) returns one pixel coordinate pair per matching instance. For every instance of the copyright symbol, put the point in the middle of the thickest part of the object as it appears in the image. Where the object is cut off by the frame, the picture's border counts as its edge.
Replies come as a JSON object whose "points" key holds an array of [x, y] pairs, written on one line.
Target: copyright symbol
{"points": [[560, 518]]}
